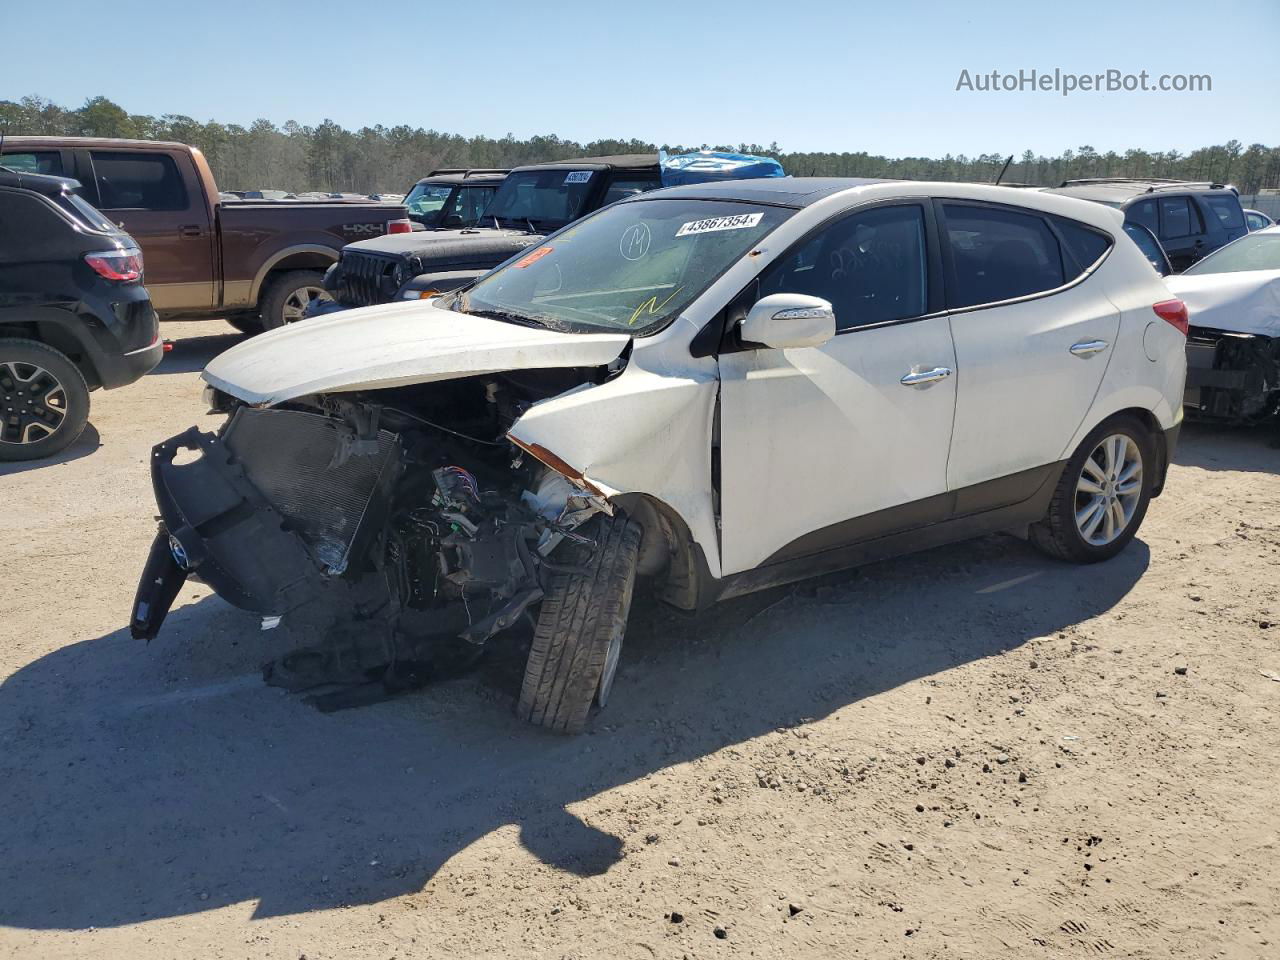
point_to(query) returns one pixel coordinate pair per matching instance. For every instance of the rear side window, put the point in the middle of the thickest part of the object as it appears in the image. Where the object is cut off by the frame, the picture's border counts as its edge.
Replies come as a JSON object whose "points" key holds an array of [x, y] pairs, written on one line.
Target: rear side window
{"points": [[1145, 214], [30, 229], [138, 181], [999, 255], [34, 161], [1227, 209], [1085, 246], [1178, 218]]}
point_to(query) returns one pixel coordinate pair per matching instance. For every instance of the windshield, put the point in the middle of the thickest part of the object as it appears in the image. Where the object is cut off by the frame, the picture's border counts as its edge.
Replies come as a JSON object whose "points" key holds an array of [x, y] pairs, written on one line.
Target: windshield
{"points": [[1255, 251], [425, 201], [544, 199], [630, 267]]}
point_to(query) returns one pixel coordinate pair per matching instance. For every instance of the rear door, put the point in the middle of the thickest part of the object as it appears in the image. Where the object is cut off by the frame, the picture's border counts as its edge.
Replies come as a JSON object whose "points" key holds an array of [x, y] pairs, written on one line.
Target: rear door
{"points": [[162, 206], [1182, 231], [1032, 342]]}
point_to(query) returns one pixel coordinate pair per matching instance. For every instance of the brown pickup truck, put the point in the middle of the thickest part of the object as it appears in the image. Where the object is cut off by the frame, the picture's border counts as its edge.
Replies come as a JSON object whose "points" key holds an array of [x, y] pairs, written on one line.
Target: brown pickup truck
{"points": [[257, 264]]}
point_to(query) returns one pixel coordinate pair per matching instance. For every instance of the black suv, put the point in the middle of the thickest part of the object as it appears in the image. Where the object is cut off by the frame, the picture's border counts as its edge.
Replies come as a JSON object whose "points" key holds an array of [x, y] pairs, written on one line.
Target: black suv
{"points": [[1191, 219], [74, 315], [452, 199]]}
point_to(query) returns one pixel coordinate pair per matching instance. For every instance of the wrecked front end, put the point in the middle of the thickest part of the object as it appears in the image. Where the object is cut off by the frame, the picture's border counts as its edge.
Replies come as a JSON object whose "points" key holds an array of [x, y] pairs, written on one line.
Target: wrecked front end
{"points": [[1232, 377], [406, 508]]}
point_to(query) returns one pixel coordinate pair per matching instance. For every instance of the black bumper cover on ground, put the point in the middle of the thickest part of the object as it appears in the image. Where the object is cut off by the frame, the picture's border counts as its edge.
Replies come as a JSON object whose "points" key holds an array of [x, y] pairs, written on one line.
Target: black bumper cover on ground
{"points": [[226, 534]]}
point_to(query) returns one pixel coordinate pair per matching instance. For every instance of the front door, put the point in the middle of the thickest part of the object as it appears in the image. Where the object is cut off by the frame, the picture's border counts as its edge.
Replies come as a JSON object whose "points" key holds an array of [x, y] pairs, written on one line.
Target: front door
{"points": [[164, 210], [821, 446], [1030, 360]]}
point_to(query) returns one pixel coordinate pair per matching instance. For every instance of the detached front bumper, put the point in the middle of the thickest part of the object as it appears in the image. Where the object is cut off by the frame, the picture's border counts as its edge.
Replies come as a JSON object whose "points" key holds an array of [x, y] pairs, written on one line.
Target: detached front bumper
{"points": [[1231, 376], [217, 527]]}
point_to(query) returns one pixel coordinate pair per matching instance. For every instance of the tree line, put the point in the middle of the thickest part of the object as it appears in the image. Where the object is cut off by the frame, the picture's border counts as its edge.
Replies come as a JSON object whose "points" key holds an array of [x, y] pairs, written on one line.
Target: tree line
{"points": [[385, 159]]}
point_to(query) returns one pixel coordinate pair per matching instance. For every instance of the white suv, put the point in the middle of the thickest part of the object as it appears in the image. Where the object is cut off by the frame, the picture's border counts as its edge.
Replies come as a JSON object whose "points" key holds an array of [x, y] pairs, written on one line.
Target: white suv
{"points": [[715, 388]]}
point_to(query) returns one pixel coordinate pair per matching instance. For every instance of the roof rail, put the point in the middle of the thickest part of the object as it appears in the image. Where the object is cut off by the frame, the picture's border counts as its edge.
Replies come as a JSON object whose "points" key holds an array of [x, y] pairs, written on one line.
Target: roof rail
{"points": [[1092, 180], [1180, 184], [444, 170]]}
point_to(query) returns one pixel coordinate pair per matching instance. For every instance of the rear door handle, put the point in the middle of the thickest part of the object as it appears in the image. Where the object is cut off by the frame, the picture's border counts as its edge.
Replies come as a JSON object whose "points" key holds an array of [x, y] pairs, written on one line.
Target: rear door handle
{"points": [[924, 377], [191, 230], [1087, 348]]}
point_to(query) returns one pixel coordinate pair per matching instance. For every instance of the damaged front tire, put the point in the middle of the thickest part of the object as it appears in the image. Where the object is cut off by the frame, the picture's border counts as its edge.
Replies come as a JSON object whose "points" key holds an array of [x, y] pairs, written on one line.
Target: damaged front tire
{"points": [[580, 628]]}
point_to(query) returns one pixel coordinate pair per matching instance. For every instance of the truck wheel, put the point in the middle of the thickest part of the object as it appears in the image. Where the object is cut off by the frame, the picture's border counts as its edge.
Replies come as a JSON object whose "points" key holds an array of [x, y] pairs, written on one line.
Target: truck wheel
{"points": [[1102, 496], [287, 298], [44, 402], [578, 638]]}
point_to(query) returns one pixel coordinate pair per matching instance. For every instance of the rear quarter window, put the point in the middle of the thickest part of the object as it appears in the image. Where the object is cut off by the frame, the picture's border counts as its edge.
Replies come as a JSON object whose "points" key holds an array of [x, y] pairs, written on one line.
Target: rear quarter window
{"points": [[1227, 209], [30, 229], [1085, 245]]}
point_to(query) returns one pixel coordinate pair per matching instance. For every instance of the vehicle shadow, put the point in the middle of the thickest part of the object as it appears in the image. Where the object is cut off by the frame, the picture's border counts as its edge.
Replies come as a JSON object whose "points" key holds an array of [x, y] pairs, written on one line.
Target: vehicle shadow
{"points": [[1251, 449], [87, 443], [143, 782], [192, 354]]}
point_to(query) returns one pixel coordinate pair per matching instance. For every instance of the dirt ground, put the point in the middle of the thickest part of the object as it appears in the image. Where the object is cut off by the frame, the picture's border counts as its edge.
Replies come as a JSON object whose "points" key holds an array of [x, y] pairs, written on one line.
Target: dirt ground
{"points": [[975, 752]]}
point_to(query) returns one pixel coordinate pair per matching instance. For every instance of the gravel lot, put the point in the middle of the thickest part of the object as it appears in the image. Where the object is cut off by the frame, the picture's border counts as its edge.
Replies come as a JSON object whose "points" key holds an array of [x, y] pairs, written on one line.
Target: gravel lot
{"points": [[970, 753]]}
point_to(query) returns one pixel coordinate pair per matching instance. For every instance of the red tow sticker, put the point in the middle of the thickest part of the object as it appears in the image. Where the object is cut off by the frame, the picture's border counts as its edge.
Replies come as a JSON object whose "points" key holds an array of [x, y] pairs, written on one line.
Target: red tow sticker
{"points": [[532, 257]]}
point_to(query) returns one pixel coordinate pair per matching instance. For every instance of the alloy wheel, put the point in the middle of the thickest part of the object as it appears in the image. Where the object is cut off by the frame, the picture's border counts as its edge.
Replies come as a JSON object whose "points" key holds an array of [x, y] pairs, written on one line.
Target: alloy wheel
{"points": [[1108, 489], [34, 403], [295, 305]]}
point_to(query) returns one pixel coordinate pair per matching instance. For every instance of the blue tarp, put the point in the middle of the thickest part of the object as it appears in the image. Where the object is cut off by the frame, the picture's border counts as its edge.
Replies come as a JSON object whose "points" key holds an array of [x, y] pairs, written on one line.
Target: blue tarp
{"points": [[706, 165]]}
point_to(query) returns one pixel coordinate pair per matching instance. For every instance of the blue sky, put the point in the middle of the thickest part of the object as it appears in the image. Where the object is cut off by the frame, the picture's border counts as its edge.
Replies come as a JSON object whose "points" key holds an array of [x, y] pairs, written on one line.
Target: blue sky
{"points": [[879, 77]]}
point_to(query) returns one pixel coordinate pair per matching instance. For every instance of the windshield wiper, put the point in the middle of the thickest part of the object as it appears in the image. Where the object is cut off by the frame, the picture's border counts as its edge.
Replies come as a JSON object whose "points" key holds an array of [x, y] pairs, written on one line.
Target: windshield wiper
{"points": [[506, 316]]}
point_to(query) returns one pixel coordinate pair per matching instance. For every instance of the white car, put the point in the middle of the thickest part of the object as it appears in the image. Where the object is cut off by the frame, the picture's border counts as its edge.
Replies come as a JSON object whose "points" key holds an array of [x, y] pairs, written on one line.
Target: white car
{"points": [[718, 388], [1233, 353]]}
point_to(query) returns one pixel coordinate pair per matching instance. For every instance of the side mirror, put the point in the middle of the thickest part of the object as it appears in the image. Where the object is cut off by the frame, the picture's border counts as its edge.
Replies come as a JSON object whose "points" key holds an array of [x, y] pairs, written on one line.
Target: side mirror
{"points": [[788, 320]]}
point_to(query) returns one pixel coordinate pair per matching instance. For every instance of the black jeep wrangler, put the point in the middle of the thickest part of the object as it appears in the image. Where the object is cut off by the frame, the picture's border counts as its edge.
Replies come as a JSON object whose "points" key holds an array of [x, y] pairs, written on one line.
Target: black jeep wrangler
{"points": [[74, 315], [452, 199], [532, 202]]}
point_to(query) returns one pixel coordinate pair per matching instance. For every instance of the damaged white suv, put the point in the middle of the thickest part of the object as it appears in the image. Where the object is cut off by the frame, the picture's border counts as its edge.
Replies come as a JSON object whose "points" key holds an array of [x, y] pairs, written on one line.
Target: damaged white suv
{"points": [[716, 388]]}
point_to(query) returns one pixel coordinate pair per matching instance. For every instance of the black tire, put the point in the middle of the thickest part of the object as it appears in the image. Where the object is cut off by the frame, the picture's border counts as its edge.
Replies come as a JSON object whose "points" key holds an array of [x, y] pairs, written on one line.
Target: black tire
{"points": [[277, 300], [582, 619], [21, 417], [246, 323], [1058, 534]]}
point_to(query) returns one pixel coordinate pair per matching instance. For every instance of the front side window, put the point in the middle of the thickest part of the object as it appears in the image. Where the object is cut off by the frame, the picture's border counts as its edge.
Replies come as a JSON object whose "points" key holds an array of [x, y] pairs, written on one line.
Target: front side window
{"points": [[544, 199], [470, 203], [1178, 218], [871, 267], [34, 161], [138, 181], [623, 187], [999, 255], [1144, 213], [1255, 251], [1227, 209], [631, 267]]}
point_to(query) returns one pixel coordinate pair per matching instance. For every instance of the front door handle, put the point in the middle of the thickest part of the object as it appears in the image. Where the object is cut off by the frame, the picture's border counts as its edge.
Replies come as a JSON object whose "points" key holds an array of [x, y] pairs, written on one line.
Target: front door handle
{"points": [[191, 230], [924, 377], [1087, 348]]}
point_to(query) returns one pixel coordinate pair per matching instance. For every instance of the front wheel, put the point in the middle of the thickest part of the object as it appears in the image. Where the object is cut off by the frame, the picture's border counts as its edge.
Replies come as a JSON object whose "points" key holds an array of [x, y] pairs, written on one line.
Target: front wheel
{"points": [[44, 401], [578, 638], [1102, 495]]}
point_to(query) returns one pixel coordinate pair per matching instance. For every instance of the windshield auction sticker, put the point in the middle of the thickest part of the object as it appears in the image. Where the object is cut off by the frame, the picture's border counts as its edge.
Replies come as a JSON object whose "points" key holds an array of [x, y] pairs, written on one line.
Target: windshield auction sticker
{"points": [[531, 258], [739, 222], [578, 176]]}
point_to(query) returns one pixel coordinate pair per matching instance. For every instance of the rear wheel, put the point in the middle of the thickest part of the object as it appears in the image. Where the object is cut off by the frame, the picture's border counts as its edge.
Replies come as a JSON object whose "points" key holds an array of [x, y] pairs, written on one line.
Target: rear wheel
{"points": [[578, 639], [1102, 496], [44, 401], [287, 298]]}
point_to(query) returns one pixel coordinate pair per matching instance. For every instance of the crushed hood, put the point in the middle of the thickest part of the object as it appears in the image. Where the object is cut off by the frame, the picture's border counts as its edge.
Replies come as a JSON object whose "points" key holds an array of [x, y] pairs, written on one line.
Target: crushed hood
{"points": [[431, 243], [392, 345], [1244, 302]]}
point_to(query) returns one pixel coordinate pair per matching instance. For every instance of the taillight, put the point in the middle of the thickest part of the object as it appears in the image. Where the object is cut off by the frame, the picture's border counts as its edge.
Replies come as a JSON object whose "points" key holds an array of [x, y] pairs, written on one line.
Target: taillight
{"points": [[1175, 313], [399, 226], [123, 266]]}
